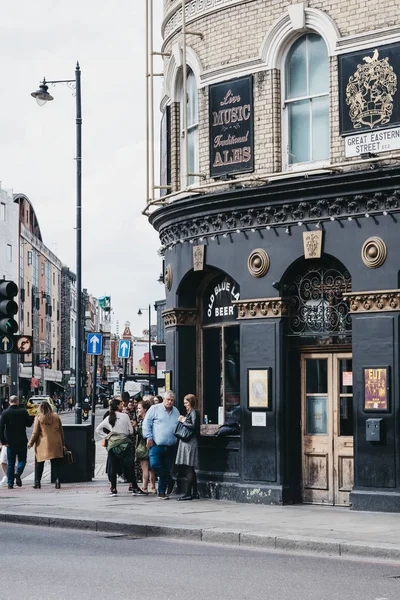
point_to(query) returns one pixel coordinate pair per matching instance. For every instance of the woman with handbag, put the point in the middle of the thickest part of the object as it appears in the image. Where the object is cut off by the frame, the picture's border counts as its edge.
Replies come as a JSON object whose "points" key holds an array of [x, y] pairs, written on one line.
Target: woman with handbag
{"points": [[187, 431], [119, 446], [48, 439], [142, 452]]}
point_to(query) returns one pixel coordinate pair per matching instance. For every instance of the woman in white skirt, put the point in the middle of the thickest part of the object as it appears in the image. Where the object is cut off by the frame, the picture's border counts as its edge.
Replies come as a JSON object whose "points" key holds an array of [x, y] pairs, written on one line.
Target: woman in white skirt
{"points": [[188, 453]]}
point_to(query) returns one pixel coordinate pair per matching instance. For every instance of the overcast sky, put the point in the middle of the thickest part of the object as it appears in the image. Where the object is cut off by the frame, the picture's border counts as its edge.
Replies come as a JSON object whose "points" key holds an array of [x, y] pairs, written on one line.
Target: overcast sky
{"points": [[37, 144]]}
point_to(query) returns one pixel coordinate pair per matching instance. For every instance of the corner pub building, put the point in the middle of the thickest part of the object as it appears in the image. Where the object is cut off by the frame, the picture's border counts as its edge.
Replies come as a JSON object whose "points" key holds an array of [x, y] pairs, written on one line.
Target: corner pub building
{"points": [[278, 211]]}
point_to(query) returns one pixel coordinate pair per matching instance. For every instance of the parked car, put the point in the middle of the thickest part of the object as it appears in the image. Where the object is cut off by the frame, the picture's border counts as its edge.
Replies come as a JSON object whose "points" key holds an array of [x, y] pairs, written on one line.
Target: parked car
{"points": [[33, 404]]}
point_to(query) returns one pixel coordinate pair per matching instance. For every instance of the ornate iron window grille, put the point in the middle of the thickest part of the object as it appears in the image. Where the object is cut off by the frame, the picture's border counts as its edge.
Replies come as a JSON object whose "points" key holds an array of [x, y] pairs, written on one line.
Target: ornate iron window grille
{"points": [[317, 307]]}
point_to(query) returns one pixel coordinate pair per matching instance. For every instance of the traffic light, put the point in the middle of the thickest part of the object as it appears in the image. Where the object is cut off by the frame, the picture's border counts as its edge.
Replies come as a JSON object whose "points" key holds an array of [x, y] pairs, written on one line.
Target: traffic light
{"points": [[8, 308]]}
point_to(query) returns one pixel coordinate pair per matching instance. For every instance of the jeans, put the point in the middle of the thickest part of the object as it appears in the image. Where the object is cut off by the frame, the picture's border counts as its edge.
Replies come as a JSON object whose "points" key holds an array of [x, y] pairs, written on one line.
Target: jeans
{"points": [[162, 459], [12, 454]]}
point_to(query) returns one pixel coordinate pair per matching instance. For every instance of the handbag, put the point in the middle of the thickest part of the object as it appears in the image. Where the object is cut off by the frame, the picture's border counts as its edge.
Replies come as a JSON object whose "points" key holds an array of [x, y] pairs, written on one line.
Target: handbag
{"points": [[183, 433], [142, 450], [69, 456]]}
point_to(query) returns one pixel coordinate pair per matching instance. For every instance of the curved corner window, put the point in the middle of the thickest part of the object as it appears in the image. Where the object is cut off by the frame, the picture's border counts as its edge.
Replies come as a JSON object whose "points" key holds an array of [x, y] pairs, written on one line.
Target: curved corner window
{"points": [[307, 100], [190, 164]]}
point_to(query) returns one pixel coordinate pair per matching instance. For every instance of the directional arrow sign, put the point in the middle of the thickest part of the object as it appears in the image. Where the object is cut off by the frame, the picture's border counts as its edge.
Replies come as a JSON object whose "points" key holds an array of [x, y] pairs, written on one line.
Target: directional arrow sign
{"points": [[6, 343], [124, 348], [95, 343]]}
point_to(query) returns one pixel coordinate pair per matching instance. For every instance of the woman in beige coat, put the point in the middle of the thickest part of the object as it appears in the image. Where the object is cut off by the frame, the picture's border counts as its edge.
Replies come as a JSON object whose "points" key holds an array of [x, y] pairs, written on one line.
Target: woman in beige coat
{"points": [[48, 438]]}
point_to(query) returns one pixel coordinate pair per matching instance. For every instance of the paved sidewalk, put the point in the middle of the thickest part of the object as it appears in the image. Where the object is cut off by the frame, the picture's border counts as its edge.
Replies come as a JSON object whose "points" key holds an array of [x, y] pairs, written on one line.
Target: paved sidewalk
{"points": [[316, 529]]}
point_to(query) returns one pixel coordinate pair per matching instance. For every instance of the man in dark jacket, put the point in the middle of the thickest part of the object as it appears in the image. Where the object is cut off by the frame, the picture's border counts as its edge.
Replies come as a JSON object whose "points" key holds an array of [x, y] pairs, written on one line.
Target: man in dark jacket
{"points": [[13, 424]]}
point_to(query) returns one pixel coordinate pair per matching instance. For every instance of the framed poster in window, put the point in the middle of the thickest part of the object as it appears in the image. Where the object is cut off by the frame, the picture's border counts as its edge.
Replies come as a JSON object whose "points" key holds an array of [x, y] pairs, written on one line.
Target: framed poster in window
{"points": [[259, 389], [376, 389]]}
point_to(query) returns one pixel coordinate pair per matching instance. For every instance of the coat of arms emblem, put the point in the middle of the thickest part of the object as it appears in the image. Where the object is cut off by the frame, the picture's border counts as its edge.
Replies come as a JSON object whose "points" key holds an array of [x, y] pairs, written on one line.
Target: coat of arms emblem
{"points": [[370, 92]]}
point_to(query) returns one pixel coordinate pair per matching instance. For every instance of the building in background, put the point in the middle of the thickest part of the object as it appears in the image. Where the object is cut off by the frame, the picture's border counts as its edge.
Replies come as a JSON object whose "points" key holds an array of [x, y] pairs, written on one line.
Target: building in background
{"points": [[9, 270], [68, 330], [39, 307]]}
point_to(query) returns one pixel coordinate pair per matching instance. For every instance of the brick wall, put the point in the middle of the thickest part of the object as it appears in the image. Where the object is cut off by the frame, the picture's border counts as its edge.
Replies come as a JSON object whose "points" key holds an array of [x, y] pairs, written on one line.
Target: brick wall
{"points": [[236, 34]]}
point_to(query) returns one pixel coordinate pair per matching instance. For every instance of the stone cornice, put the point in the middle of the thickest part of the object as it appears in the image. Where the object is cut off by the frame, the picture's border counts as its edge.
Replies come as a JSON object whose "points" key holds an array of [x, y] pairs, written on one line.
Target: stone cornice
{"points": [[370, 301], [175, 317], [261, 308], [331, 197]]}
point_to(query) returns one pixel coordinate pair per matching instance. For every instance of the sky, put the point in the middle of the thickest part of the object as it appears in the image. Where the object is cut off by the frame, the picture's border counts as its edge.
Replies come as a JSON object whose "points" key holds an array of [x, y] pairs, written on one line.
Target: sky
{"points": [[45, 38]]}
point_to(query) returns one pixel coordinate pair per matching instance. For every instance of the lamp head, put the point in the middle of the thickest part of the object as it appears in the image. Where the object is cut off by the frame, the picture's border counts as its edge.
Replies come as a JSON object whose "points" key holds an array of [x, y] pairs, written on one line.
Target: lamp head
{"points": [[139, 312], [42, 95]]}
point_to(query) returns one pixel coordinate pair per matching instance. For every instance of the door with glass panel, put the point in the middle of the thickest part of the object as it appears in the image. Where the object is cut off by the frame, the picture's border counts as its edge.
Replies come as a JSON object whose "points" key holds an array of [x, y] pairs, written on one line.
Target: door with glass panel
{"points": [[327, 428]]}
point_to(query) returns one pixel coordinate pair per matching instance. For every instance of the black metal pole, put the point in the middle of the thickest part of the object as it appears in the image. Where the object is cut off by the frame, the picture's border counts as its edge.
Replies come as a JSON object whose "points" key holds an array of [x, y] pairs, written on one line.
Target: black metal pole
{"points": [[124, 375], [150, 349], [94, 388], [78, 349]]}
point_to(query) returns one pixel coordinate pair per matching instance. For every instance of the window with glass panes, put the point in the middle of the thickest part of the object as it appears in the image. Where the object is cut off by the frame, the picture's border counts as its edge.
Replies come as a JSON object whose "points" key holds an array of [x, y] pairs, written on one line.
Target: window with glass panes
{"points": [[307, 100], [192, 130]]}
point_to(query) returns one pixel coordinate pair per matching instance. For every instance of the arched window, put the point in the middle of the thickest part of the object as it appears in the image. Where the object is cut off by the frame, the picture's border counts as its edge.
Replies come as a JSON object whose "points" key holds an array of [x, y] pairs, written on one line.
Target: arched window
{"points": [[192, 131], [307, 100]]}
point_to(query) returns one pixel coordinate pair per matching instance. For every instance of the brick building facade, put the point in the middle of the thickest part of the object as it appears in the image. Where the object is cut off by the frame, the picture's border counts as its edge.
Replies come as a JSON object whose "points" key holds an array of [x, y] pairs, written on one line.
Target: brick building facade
{"points": [[281, 185]]}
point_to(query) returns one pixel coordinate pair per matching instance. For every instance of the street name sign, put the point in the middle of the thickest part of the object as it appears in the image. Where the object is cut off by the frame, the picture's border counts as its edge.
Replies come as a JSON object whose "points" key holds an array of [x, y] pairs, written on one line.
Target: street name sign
{"points": [[95, 343], [124, 348]]}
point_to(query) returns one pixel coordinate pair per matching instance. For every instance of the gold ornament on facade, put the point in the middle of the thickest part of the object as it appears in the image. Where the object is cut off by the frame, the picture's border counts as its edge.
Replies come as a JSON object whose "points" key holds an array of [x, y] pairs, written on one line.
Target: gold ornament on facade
{"points": [[312, 242], [265, 308], [174, 317], [168, 277], [364, 302], [370, 92], [258, 263], [373, 252]]}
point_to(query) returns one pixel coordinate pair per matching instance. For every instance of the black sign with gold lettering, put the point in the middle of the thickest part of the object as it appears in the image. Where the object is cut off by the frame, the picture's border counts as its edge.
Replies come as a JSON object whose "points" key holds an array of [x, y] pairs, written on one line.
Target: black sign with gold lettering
{"points": [[231, 127], [369, 95]]}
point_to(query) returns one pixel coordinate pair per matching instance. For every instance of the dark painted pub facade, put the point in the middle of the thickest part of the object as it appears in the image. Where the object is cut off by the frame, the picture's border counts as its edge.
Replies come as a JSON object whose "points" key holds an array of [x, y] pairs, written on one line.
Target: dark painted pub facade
{"points": [[282, 314]]}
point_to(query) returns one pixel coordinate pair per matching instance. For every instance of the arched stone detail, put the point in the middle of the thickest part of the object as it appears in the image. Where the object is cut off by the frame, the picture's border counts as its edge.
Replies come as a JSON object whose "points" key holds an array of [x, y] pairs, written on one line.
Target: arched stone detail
{"points": [[282, 34], [173, 77]]}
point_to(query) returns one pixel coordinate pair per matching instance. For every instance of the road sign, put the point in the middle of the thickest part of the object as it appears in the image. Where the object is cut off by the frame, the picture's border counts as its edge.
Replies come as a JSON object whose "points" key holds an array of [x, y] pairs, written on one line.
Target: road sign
{"points": [[94, 343], [23, 344], [124, 348], [6, 343]]}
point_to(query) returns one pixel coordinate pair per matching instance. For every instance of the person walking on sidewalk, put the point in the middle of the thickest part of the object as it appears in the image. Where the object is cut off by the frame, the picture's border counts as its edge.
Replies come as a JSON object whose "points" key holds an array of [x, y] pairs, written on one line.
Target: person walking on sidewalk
{"points": [[119, 447], [188, 453], [48, 439], [13, 424], [158, 428]]}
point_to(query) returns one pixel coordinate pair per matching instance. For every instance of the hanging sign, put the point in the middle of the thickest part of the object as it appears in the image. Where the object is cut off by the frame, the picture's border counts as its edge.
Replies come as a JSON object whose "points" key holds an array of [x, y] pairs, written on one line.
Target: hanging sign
{"points": [[218, 305], [370, 99], [231, 127]]}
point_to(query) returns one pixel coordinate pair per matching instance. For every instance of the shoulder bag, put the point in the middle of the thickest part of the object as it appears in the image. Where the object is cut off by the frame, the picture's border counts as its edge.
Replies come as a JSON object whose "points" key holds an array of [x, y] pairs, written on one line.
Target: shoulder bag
{"points": [[183, 433]]}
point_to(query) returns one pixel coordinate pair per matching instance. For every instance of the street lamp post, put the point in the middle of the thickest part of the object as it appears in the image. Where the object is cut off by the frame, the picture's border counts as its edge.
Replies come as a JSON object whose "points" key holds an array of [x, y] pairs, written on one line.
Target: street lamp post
{"points": [[140, 313], [42, 96]]}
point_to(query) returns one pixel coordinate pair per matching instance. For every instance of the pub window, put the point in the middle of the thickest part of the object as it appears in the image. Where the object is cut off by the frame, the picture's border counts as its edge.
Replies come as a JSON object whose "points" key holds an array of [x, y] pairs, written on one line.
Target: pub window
{"points": [[221, 352], [9, 253], [29, 257], [306, 104], [192, 130]]}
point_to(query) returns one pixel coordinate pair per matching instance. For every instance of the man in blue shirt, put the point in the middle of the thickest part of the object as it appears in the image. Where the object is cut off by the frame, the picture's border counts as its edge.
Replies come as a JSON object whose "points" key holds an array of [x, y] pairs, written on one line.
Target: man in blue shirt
{"points": [[158, 429]]}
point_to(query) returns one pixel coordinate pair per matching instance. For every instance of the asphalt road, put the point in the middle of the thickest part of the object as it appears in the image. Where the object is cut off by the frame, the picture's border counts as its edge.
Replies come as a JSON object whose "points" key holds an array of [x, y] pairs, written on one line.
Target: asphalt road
{"points": [[53, 564]]}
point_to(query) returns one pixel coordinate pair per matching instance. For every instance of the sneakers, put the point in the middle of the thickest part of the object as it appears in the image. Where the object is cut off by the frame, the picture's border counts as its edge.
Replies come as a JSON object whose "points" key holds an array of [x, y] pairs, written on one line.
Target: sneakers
{"points": [[4, 480], [185, 497], [153, 491], [139, 492], [170, 487], [18, 481], [113, 493], [10, 487], [122, 479], [163, 497]]}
